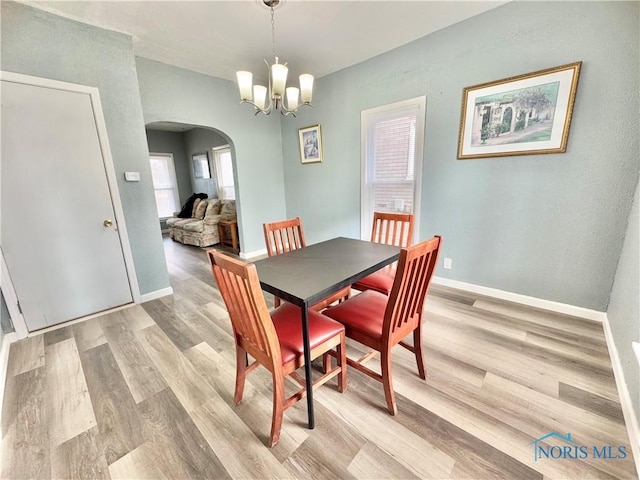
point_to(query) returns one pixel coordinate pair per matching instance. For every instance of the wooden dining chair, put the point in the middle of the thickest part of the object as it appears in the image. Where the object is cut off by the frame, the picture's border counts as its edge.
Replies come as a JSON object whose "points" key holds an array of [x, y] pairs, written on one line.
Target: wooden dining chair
{"points": [[380, 322], [274, 339], [391, 229], [285, 236]]}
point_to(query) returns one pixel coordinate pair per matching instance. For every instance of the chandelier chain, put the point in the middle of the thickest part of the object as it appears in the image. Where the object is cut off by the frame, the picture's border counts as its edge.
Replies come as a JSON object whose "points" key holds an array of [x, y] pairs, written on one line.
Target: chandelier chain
{"points": [[273, 33]]}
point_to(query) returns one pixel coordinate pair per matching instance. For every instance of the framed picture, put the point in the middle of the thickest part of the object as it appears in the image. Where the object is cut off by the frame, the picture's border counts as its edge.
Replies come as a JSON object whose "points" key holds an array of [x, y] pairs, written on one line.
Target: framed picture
{"points": [[523, 115], [201, 167], [310, 144]]}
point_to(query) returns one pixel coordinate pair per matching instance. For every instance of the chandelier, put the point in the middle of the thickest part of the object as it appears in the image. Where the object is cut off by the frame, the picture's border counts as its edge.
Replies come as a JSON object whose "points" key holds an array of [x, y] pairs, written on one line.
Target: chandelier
{"points": [[259, 95]]}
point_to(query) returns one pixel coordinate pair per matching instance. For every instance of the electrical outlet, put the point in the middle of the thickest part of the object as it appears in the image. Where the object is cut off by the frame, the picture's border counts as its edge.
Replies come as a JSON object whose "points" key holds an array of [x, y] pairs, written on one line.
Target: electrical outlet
{"points": [[447, 264]]}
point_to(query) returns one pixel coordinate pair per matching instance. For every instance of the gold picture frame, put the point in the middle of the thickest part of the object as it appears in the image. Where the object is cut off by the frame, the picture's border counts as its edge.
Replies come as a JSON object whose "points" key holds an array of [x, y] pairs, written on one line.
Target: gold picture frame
{"points": [[522, 115], [310, 139]]}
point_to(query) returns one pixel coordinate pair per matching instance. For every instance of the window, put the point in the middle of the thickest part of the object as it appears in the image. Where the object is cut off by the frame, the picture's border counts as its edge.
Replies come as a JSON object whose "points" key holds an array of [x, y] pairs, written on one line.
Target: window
{"points": [[224, 172], [392, 151], [164, 184]]}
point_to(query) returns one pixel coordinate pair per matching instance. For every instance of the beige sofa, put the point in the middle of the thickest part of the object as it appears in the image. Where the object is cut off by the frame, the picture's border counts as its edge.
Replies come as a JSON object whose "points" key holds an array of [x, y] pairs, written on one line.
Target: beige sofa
{"points": [[201, 229]]}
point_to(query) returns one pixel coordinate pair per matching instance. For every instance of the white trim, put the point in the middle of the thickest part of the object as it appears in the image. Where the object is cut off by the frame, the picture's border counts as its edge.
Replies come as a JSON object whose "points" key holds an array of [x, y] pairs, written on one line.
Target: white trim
{"points": [[103, 139], [7, 340], [524, 299], [172, 172], [254, 254], [630, 419], [163, 292], [11, 299], [636, 350]]}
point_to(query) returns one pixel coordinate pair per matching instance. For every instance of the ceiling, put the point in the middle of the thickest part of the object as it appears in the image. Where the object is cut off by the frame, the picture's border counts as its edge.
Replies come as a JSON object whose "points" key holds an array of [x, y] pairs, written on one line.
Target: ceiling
{"points": [[218, 37]]}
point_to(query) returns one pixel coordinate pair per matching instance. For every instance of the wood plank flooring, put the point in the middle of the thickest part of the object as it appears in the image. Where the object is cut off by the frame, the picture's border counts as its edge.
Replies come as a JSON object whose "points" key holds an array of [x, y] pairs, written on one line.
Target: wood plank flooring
{"points": [[147, 392]]}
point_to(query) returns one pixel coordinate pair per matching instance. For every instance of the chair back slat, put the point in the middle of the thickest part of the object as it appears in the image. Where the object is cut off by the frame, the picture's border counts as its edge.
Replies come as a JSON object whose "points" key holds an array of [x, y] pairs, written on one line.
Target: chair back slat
{"points": [[392, 229], [406, 300], [240, 288], [284, 236]]}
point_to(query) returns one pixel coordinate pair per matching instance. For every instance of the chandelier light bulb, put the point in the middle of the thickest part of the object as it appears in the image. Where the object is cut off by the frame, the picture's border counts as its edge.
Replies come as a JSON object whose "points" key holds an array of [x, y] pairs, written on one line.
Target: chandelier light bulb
{"points": [[244, 84], [292, 98], [279, 78], [306, 87], [260, 96]]}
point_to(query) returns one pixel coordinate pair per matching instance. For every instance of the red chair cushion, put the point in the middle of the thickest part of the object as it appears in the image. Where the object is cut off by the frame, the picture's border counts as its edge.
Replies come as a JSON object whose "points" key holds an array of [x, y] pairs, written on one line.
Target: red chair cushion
{"points": [[380, 281], [363, 312], [288, 323]]}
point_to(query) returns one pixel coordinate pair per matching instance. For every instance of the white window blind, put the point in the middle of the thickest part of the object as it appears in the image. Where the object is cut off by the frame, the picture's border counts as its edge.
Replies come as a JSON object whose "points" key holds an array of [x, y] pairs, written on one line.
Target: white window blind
{"points": [[165, 184]]}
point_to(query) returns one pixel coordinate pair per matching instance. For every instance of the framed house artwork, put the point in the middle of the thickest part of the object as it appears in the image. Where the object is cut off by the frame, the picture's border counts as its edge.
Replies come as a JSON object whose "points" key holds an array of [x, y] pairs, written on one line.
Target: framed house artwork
{"points": [[523, 115], [310, 144]]}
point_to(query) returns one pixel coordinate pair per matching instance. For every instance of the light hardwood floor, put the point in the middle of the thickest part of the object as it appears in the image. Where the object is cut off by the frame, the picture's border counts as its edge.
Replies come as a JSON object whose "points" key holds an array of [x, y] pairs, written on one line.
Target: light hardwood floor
{"points": [[147, 392]]}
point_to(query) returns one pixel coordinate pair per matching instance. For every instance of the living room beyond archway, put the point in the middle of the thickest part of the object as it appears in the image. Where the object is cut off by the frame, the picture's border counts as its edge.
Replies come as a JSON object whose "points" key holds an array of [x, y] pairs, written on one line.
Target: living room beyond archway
{"points": [[192, 164]]}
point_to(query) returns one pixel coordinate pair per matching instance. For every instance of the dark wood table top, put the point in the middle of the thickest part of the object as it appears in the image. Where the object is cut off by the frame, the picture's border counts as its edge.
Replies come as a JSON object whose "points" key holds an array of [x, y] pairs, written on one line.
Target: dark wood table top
{"points": [[308, 275]]}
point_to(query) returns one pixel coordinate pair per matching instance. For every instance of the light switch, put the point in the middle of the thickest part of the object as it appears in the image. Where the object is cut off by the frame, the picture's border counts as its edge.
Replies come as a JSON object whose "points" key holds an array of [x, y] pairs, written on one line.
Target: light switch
{"points": [[132, 176]]}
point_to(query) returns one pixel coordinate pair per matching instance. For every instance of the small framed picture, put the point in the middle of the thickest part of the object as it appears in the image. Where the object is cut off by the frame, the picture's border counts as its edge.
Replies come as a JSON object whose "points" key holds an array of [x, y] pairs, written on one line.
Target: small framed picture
{"points": [[523, 115], [201, 165], [310, 144]]}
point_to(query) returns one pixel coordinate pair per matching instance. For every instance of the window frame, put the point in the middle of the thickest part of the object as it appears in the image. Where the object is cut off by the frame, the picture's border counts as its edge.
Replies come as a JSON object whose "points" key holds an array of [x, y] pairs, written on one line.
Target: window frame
{"points": [[172, 173], [217, 168], [368, 120]]}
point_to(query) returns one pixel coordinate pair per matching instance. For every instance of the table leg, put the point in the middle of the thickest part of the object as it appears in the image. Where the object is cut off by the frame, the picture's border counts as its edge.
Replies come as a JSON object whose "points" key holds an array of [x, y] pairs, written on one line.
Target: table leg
{"points": [[307, 364]]}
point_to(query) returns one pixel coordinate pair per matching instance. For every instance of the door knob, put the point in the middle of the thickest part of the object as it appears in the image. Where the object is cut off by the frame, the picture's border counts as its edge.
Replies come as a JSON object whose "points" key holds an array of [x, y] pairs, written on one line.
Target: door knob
{"points": [[107, 222]]}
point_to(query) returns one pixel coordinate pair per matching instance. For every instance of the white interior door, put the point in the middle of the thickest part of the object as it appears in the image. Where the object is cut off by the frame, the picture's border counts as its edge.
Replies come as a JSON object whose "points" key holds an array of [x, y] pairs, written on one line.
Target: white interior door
{"points": [[59, 232]]}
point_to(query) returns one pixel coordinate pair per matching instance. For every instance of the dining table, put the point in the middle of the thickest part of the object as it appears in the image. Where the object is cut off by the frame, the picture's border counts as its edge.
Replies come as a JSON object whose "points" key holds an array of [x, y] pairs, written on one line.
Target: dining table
{"points": [[305, 276]]}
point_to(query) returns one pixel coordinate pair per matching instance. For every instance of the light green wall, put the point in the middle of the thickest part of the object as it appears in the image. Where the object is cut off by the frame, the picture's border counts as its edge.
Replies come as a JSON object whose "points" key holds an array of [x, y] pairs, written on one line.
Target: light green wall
{"points": [[44, 45], [176, 95], [546, 226]]}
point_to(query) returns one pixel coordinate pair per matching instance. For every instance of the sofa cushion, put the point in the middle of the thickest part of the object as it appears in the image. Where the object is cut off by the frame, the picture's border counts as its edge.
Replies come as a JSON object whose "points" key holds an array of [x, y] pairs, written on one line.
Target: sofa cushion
{"points": [[198, 212], [195, 205], [228, 210], [179, 222], [212, 220], [193, 226], [213, 207], [171, 222]]}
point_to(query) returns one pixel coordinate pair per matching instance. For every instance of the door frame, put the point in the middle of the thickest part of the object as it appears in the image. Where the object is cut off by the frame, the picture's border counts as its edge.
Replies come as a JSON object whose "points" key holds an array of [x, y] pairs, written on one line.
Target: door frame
{"points": [[112, 182]]}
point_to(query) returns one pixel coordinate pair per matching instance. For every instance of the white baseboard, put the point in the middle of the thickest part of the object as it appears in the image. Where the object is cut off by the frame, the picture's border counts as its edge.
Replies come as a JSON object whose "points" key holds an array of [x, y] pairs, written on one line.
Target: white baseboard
{"points": [[147, 297], [523, 299], [254, 254], [630, 418], [7, 340]]}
